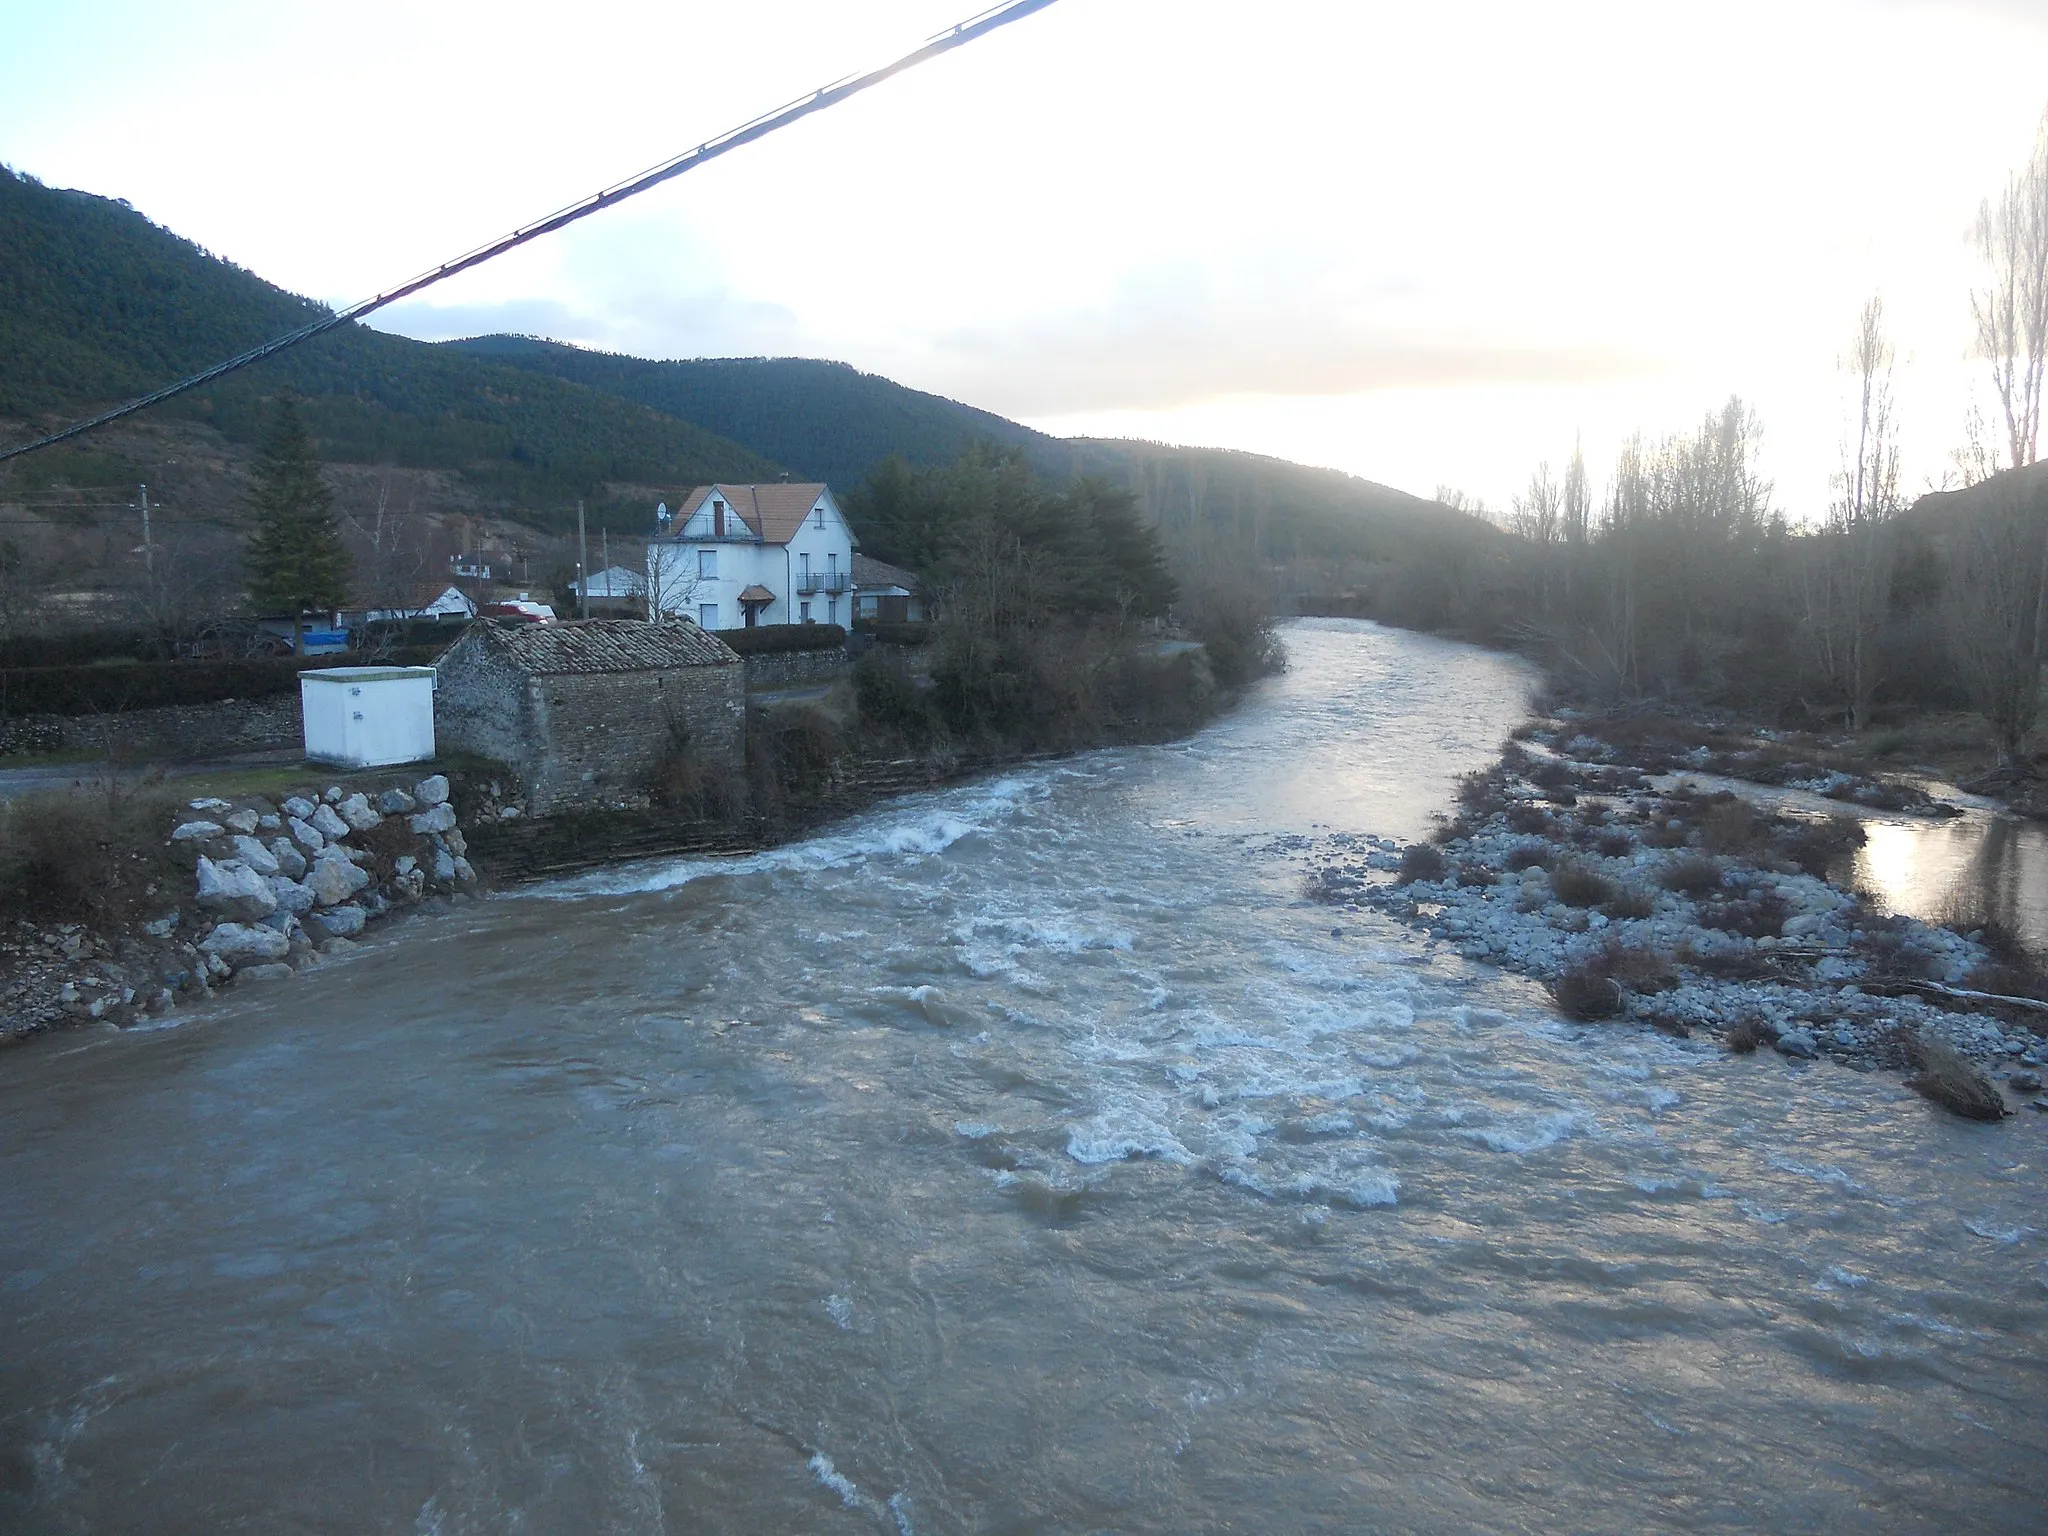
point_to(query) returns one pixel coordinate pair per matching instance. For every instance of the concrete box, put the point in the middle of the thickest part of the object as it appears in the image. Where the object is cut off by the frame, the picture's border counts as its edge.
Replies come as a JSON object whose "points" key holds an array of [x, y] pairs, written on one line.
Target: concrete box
{"points": [[368, 717]]}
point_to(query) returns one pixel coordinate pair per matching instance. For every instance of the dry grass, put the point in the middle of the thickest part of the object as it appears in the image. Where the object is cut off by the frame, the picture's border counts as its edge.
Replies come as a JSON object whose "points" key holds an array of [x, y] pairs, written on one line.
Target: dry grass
{"points": [[1691, 877], [1614, 843], [1629, 903], [1637, 968], [1528, 856], [1585, 994], [90, 854], [1946, 1077], [1747, 1034], [1733, 828], [1578, 886], [1529, 820]]}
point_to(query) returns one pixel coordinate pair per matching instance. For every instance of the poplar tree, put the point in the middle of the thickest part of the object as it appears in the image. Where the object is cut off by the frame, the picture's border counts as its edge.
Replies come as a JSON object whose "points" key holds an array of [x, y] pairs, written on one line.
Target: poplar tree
{"points": [[295, 556]]}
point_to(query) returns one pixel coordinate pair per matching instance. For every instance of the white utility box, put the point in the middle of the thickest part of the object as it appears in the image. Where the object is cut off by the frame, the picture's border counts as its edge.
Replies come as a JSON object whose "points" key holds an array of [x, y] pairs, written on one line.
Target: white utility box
{"points": [[368, 717]]}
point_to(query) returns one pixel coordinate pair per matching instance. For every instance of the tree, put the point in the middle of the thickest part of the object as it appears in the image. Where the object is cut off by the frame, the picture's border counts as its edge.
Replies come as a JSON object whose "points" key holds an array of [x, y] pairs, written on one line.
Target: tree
{"points": [[1846, 585], [1998, 608], [295, 556], [2011, 312]]}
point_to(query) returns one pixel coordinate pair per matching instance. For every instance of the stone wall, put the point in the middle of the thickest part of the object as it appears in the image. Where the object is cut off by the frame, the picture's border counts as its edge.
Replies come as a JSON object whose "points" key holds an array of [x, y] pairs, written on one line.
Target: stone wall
{"points": [[788, 669], [481, 706], [171, 731], [598, 736]]}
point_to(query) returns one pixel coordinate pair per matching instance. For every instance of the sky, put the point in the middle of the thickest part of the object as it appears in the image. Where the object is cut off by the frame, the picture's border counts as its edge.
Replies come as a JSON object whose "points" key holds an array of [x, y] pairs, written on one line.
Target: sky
{"points": [[1427, 244]]}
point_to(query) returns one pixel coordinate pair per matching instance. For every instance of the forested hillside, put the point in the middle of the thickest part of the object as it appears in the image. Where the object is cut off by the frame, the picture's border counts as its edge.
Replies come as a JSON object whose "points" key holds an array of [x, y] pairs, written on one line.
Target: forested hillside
{"points": [[97, 303]]}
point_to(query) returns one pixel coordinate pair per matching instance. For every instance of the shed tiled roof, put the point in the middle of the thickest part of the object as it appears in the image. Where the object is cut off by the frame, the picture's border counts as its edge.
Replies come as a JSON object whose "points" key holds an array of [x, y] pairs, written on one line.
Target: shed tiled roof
{"points": [[869, 572], [774, 512], [604, 645]]}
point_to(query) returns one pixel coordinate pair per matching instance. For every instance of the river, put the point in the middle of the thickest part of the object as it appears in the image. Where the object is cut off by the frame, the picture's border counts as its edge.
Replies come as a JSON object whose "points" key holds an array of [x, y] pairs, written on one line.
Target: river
{"points": [[1024, 1157]]}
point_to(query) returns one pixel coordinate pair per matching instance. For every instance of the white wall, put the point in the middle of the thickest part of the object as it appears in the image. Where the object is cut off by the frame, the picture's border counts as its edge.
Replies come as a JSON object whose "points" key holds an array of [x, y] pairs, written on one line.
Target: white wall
{"points": [[672, 567]]}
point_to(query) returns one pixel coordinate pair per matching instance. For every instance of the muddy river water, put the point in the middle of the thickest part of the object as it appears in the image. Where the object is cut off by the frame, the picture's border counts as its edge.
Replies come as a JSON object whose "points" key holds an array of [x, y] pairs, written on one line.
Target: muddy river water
{"points": [[1023, 1157]]}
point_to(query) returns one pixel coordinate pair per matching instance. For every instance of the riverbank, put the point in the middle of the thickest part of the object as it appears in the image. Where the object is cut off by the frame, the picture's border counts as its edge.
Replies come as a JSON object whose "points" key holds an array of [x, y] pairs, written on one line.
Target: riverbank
{"points": [[1660, 905]]}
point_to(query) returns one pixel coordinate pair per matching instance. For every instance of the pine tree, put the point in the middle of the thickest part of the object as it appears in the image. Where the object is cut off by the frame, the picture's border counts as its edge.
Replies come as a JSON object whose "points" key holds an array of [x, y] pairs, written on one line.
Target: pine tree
{"points": [[295, 556]]}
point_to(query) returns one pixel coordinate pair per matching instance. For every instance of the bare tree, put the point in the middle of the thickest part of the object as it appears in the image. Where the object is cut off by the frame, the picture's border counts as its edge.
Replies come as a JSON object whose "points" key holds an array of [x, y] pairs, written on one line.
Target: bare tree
{"points": [[1845, 585], [672, 579], [1998, 609], [2011, 311], [1576, 508]]}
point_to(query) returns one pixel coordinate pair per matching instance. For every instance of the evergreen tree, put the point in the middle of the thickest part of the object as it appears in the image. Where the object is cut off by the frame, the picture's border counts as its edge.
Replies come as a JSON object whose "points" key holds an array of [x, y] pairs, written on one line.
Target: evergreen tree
{"points": [[295, 556]]}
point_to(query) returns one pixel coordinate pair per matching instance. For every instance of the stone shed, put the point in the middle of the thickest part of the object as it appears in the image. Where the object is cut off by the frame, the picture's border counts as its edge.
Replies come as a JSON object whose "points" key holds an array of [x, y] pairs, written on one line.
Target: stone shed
{"points": [[583, 712]]}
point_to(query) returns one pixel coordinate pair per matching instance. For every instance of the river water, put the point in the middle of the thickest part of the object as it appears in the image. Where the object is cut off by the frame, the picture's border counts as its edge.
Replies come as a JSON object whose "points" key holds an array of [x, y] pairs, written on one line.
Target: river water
{"points": [[1024, 1157]]}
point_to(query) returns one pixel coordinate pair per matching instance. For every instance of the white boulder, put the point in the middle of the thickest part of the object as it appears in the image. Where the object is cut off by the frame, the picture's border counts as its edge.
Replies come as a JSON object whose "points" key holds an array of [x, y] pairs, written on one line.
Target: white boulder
{"points": [[234, 888], [298, 806], [396, 802], [305, 836], [195, 831], [343, 922], [440, 819], [334, 878], [433, 791], [291, 896], [358, 813], [237, 945], [255, 855], [289, 860], [327, 824]]}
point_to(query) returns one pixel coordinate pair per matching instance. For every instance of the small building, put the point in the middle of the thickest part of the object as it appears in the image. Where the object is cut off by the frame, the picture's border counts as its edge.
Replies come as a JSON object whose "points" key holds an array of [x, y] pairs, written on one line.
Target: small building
{"points": [[884, 593], [616, 584], [368, 717], [449, 605], [585, 713], [735, 556]]}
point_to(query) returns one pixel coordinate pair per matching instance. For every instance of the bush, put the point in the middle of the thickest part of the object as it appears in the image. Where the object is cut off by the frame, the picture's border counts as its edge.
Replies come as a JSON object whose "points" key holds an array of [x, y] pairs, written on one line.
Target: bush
{"points": [[772, 639], [1578, 886], [1614, 843], [1948, 1078], [891, 702], [1420, 861], [919, 633], [794, 750], [1745, 1035], [1637, 969], [1732, 828], [77, 648], [1759, 916], [1817, 847], [1585, 994], [1691, 877], [1477, 875], [1528, 856], [1529, 820], [147, 685], [1629, 903]]}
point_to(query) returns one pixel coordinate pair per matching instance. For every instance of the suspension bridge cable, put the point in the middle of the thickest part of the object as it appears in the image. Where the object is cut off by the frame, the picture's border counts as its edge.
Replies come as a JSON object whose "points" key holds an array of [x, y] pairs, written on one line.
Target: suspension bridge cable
{"points": [[977, 26]]}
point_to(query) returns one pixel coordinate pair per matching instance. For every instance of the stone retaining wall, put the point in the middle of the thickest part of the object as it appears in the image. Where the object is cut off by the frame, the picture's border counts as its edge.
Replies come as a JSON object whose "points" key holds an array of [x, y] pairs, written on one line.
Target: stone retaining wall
{"points": [[785, 669], [167, 731]]}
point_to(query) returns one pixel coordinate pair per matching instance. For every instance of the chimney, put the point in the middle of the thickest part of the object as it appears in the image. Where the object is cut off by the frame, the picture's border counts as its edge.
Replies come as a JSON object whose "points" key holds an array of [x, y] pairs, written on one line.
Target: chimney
{"points": [[717, 518]]}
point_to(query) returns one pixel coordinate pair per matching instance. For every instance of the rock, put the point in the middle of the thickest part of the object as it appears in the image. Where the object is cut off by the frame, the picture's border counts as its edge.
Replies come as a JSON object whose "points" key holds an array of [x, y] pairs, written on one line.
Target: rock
{"points": [[1799, 927], [290, 861], [255, 855], [298, 806], [464, 870], [270, 821], [210, 804], [339, 946], [1797, 1043], [331, 794], [343, 922], [233, 944], [457, 843], [357, 812], [396, 802], [440, 819], [163, 927], [333, 878], [433, 791], [291, 896], [405, 864], [68, 993], [2024, 1082], [273, 970], [304, 835], [219, 968], [241, 821], [358, 855], [284, 922], [196, 831], [235, 889], [508, 813], [444, 865], [329, 825]]}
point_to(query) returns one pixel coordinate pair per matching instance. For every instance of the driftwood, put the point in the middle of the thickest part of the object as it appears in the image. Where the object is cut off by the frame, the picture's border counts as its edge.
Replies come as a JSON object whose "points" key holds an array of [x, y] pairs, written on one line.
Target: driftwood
{"points": [[1893, 986]]}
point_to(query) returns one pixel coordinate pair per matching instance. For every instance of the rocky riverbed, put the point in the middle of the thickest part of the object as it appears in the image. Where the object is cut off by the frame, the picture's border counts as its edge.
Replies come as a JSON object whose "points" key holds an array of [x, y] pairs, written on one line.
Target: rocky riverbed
{"points": [[1687, 912]]}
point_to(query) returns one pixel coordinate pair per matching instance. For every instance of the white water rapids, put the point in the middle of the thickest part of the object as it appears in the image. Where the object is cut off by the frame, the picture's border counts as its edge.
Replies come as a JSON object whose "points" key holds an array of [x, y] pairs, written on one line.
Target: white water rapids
{"points": [[1023, 1157]]}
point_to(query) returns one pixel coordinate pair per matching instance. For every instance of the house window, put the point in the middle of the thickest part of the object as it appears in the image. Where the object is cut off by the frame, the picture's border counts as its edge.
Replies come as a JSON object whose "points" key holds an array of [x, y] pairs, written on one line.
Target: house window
{"points": [[831, 610], [707, 565], [707, 615], [803, 611], [818, 517]]}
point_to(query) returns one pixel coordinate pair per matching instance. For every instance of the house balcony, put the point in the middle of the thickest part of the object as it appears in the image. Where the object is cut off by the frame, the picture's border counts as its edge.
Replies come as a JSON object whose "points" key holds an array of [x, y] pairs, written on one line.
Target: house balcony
{"points": [[808, 582]]}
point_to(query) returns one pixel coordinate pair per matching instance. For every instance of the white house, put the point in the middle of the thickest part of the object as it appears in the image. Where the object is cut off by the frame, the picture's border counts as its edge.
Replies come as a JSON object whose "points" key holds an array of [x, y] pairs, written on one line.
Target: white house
{"points": [[736, 556], [614, 583], [884, 592], [452, 603]]}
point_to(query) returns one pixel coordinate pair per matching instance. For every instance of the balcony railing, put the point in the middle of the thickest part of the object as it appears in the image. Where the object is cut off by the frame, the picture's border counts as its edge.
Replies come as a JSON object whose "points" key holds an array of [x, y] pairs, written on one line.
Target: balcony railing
{"points": [[823, 581]]}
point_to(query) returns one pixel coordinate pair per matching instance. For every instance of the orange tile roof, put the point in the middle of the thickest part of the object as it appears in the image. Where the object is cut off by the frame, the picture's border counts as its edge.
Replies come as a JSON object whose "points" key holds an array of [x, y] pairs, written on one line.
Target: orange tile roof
{"points": [[774, 512]]}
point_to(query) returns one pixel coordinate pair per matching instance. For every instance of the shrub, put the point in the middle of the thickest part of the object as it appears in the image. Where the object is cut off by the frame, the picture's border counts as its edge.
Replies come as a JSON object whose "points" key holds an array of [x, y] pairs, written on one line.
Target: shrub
{"points": [[1481, 794], [1732, 828], [1527, 819], [1470, 874], [1528, 856], [771, 639], [1578, 886], [1584, 993], [1691, 877], [794, 751], [1637, 968], [1948, 1078], [1758, 916], [908, 634], [102, 690], [87, 854], [682, 781], [1745, 1035], [1816, 847], [1661, 832], [891, 701], [1421, 861], [1629, 903], [1614, 843]]}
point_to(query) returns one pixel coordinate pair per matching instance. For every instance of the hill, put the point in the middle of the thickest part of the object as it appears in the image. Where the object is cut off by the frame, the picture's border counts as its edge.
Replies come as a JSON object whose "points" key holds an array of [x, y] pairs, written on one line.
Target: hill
{"points": [[98, 304]]}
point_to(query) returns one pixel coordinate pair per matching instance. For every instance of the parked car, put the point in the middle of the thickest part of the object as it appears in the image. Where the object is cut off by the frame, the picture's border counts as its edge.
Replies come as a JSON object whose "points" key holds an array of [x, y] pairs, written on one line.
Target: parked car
{"points": [[523, 610]]}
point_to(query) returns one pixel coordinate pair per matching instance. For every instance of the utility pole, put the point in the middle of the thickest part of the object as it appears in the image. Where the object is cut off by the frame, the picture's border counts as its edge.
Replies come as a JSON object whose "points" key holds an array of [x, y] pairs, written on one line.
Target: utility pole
{"points": [[582, 557], [148, 547], [604, 536]]}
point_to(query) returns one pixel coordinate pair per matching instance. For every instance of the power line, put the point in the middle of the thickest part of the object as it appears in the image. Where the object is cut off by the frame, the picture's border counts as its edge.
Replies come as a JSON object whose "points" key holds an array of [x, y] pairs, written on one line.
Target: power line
{"points": [[758, 128]]}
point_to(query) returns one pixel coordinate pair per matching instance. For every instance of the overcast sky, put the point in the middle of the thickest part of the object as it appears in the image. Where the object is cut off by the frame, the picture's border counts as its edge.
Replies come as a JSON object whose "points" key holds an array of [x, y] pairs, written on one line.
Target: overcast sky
{"points": [[1424, 243]]}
